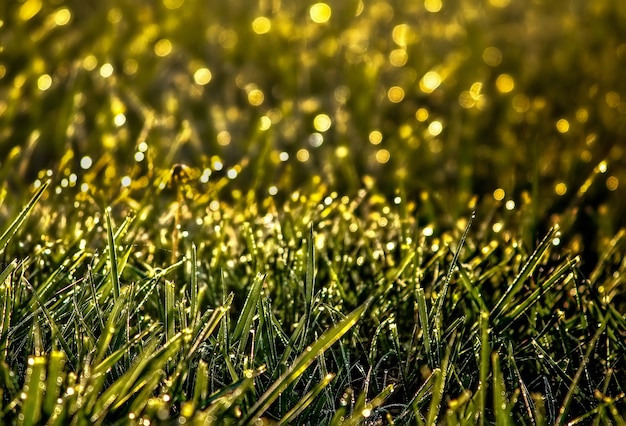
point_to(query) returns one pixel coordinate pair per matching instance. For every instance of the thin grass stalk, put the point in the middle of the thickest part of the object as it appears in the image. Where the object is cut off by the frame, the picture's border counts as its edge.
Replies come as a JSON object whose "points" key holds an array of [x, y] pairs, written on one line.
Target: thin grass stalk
{"points": [[424, 324], [439, 388], [573, 387], [10, 232], [193, 303], [529, 267], [303, 361], [306, 400], [446, 284], [115, 278], [485, 351]]}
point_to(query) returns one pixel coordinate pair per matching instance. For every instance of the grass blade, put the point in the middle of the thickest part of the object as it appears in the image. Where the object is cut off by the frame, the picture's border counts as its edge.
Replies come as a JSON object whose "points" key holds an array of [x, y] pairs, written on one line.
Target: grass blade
{"points": [[500, 403], [485, 350], [193, 307], [423, 319], [115, 278], [438, 389], [19, 220], [55, 376], [302, 363], [309, 283], [528, 268], [306, 400], [247, 313], [536, 295], [446, 284], [33, 392], [573, 387]]}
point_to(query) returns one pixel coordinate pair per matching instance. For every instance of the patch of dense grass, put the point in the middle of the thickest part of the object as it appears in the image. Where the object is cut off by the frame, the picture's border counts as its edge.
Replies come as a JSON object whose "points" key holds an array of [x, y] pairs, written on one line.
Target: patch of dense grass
{"points": [[402, 212]]}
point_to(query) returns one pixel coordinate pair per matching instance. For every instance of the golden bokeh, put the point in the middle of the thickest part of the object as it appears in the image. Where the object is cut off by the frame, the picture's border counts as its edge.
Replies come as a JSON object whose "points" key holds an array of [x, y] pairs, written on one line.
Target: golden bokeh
{"points": [[433, 6], [430, 81], [320, 13], [322, 122], [395, 94], [44, 82], [383, 156], [202, 76], [562, 125], [163, 47], [256, 97], [505, 83], [261, 25], [62, 16], [375, 137], [560, 188]]}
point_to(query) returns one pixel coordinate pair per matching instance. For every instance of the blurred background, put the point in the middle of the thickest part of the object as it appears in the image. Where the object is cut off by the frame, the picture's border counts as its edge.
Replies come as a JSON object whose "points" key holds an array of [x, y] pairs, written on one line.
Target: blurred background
{"points": [[517, 103]]}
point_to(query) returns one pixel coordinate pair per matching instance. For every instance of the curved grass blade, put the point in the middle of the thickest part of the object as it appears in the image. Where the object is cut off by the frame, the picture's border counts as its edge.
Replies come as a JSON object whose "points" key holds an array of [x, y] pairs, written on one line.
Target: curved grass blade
{"points": [[6, 306], [19, 220], [500, 402], [136, 378], [423, 319], [309, 285], [306, 400], [573, 387], [115, 278], [485, 350], [55, 377], [534, 297], [193, 308], [247, 313], [33, 392], [363, 409], [528, 268], [446, 283], [420, 396], [439, 388], [56, 332], [303, 361]]}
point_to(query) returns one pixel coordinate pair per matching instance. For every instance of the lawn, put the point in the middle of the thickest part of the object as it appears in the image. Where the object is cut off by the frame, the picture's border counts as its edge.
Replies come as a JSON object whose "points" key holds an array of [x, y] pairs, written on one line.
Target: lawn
{"points": [[281, 212]]}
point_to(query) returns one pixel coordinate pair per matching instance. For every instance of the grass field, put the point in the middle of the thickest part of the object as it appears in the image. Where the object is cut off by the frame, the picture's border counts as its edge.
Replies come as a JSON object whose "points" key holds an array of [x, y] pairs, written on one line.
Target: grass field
{"points": [[351, 212]]}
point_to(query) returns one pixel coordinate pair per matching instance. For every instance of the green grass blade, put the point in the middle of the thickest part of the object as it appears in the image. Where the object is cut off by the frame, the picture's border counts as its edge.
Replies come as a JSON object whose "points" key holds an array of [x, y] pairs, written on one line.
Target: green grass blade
{"points": [[485, 351], [247, 313], [136, 378], [500, 402], [115, 278], [6, 306], [201, 387], [529, 267], [528, 401], [55, 377], [19, 220], [8, 271], [424, 324], [309, 282], [303, 361], [169, 309], [112, 327], [535, 296], [306, 400], [209, 325], [438, 390], [414, 404], [473, 292], [446, 284], [56, 332], [193, 296], [33, 391], [573, 386]]}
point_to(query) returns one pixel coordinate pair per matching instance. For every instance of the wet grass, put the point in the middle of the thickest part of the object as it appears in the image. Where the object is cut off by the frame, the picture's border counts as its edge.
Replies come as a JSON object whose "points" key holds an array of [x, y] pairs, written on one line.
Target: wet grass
{"points": [[401, 212]]}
